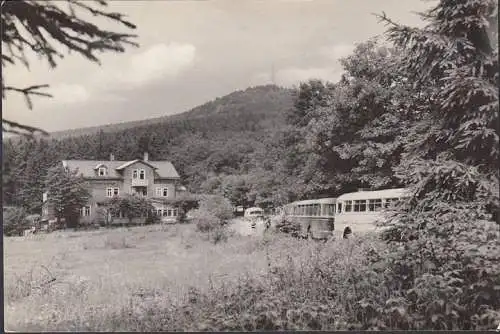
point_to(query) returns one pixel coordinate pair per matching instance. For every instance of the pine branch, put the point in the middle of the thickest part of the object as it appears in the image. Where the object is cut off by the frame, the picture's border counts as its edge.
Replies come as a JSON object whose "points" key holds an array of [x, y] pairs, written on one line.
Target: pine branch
{"points": [[20, 129], [27, 92], [43, 27]]}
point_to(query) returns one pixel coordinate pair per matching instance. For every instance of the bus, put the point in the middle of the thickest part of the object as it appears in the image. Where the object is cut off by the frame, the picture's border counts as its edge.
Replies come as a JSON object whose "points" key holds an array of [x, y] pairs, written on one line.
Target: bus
{"points": [[315, 217], [361, 210]]}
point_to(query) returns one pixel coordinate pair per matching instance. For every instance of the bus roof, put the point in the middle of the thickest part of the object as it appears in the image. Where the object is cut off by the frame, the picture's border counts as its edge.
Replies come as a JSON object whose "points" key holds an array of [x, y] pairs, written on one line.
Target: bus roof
{"points": [[330, 200], [254, 209], [386, 193]]}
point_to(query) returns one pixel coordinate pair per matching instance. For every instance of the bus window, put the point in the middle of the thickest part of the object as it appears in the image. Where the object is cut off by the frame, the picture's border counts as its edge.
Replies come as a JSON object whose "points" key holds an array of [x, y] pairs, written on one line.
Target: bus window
{"points": [[339, 208], [324, 209], [331, 211], [374, 204], [348, 206], [360, 206]]}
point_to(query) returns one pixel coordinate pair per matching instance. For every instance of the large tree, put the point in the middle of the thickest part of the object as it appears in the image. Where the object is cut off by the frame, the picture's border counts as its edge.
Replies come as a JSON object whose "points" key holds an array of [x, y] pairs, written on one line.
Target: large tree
{"points": [[43, 27], [350, 136], [448, 244], [67, 193]]}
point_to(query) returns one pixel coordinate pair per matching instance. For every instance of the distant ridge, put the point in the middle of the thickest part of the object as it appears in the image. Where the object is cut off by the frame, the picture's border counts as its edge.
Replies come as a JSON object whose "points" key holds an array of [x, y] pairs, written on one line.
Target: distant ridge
{"points": [[269, 96]]}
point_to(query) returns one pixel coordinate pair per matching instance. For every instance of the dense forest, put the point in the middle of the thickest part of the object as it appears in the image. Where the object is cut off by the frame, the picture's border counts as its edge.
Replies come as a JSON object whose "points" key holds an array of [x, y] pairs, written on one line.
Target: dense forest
{"points": [[268, 145], [262, 146], [217, 138]]}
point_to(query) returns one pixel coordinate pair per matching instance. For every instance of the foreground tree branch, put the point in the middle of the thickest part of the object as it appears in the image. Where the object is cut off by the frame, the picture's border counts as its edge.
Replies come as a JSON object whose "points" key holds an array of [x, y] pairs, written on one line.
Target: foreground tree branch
{"points": [[43, 27]]}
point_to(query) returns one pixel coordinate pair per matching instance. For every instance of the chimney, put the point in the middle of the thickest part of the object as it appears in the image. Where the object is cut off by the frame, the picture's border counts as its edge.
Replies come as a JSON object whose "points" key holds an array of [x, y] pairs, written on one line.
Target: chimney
{"points": [[111, 157], [146, 156]]}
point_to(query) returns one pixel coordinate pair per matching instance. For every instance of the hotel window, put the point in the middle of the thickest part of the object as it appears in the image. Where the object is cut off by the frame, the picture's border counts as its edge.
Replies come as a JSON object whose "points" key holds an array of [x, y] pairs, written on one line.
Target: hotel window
{"points": [[348, 206], [134, 174], [374, 204], [162, 192], [360, 206], [142, 174], [85, 211], [110, 192], [102, 171]]}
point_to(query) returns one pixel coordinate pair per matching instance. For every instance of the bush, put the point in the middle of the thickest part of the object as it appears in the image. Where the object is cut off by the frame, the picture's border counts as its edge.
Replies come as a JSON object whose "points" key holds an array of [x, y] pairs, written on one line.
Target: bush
{"points": [[152, 218], [205, 220], [213, 212], [14, 221], [289, 227]]}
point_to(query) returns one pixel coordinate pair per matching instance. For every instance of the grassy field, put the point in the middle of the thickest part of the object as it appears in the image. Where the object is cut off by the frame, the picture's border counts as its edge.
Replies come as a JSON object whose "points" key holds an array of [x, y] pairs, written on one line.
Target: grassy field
{"points": [[120, 279]]}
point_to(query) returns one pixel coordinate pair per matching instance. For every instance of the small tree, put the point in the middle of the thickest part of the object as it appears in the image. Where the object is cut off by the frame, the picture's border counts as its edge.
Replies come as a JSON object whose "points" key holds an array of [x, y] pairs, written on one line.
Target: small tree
{"points": [[212, 215], [184, 203], [131, 207], [14, 221], [67, 193]]}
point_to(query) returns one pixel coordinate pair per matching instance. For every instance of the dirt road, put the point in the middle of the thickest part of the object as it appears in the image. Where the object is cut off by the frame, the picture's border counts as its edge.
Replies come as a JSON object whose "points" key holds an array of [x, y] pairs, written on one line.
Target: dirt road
{"points": [[243, 226]]}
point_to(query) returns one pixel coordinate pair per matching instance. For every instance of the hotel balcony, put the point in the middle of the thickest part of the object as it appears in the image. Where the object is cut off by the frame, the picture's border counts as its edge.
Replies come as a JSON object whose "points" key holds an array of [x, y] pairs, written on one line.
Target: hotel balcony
{"points": [[139, 183]]}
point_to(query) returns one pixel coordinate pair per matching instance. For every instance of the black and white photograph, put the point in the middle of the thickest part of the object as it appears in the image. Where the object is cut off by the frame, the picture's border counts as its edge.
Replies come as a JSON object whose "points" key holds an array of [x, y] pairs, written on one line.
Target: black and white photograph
{"points": [[250, 165]]}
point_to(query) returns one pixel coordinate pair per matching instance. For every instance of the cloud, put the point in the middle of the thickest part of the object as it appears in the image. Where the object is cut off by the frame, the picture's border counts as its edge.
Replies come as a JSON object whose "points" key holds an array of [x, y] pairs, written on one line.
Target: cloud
{"points": [[158, 62], [64, 94]]}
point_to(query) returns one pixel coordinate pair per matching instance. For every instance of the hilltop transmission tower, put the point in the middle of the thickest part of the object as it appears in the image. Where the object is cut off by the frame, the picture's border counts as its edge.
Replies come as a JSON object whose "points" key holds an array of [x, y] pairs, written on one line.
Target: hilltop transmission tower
{"points": [[273, 81]]}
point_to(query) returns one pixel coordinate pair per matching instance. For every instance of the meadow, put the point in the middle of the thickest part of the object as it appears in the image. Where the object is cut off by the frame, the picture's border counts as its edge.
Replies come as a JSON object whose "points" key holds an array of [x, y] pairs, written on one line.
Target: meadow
{"points": [[174, 278]]}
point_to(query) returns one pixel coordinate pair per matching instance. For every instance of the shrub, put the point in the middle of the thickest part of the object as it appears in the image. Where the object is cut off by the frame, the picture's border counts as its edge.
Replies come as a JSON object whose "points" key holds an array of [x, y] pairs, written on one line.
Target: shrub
{"points": [[205, 220], [212, 217], [14, 221], [152, 218], [289, 227]]}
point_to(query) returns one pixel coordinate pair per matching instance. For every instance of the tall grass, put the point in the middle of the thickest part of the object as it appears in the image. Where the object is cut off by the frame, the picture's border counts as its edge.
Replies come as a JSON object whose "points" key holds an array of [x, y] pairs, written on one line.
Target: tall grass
{"points": [[146, 279], [177, 279]]}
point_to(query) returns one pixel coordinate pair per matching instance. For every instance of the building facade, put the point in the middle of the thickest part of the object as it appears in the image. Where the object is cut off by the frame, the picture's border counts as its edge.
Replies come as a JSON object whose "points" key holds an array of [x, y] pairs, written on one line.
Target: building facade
{"points": [[157, 181]]}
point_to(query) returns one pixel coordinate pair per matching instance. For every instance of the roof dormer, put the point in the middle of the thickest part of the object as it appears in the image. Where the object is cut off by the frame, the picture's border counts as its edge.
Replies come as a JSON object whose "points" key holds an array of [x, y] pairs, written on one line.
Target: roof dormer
{"points": [[101, 169]]}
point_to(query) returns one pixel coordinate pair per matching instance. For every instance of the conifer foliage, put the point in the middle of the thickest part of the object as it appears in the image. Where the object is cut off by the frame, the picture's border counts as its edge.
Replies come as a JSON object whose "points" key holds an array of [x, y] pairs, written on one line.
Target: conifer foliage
{"points": [[67, 193], [448, 243], [43, 27]]}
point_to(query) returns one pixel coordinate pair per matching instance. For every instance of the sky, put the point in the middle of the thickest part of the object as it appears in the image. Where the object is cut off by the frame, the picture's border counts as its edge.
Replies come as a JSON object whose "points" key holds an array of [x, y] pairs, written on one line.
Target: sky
{"points": [[194, 51]]}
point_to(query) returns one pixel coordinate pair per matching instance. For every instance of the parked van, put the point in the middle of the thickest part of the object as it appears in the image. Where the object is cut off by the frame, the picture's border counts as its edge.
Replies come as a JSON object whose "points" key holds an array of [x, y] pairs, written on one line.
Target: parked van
{"points": [[254, 212]]}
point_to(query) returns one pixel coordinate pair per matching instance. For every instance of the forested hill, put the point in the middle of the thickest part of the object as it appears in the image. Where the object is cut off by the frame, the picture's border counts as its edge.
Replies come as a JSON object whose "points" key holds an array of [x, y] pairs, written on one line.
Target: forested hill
{"points": [[216, 137], [263, 103]]}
